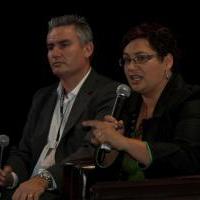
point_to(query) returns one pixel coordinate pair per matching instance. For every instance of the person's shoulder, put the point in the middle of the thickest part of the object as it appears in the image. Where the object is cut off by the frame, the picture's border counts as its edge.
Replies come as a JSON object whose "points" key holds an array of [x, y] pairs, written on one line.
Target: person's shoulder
{"points": [[102, 80], [43, 91], [195, 90], [191, 99], [192, 91], [191, 104], [183, 89]]}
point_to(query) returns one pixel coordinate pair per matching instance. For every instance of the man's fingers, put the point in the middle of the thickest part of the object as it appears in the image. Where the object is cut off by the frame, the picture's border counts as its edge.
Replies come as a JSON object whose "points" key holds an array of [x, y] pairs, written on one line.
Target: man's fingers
{"points": [[7, 169], [2, 173], [16, 195]]}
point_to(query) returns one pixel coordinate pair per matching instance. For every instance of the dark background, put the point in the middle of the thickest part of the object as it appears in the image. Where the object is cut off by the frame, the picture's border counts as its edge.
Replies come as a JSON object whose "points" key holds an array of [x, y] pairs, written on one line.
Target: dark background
{"points": [[24, 67]]}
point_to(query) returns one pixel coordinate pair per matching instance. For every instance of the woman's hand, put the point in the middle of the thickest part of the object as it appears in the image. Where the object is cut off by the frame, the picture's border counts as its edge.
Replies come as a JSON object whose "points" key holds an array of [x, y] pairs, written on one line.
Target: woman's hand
{"points": [[109, 131]]}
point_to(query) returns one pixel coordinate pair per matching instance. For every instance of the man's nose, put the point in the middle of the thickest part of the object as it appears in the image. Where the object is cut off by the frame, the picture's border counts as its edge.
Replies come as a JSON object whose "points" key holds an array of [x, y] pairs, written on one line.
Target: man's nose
{"points": [[56, 51]]}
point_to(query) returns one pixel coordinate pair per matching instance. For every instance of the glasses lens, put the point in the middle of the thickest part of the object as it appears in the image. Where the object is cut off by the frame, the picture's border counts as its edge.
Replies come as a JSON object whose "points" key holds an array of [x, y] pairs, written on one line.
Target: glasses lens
{"points": [[138, 59], [143, 58]]}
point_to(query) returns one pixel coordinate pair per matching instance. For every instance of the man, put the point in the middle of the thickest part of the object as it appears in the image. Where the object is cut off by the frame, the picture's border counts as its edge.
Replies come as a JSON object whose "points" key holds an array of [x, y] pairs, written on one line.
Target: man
{"points": [[53, 131]]}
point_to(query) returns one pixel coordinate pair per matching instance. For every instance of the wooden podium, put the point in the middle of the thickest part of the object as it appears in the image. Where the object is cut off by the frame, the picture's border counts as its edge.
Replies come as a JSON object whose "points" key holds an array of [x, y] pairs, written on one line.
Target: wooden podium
{"points": [[80, 184], [179, 188]]}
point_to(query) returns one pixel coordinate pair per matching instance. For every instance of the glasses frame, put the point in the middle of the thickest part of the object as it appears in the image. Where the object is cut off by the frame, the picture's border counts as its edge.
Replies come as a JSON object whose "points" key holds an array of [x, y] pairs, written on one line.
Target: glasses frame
{"points": [[137, 59]]}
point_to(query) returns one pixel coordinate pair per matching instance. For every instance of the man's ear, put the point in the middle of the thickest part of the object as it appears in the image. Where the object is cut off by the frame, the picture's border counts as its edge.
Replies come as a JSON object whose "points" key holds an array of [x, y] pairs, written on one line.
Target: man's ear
{"points": [[88, 49]]}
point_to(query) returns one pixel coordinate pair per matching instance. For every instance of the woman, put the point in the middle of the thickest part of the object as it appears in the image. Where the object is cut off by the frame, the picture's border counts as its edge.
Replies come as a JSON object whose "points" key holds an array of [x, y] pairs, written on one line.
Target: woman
{"points": [[161, 119]]}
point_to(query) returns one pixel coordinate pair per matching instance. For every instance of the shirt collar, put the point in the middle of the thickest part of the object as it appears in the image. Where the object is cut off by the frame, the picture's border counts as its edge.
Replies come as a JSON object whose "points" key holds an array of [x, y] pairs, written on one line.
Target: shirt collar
{"points": [[75, 91]]}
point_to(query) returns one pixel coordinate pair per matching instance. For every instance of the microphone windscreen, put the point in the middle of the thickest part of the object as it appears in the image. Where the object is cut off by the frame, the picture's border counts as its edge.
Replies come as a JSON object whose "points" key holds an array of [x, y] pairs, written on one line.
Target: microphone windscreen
{"points": [[123, 90], [4, 140]]}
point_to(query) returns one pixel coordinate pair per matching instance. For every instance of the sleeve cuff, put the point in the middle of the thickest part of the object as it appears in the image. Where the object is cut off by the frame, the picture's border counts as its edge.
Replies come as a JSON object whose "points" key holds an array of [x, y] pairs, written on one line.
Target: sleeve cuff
{"points": [[143, 167], [150, 154]]}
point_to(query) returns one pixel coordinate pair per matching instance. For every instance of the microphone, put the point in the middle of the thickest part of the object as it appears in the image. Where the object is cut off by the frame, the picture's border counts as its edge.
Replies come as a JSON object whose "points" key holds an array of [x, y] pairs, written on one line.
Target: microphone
{"points": [[123, 91], [4, 141]]}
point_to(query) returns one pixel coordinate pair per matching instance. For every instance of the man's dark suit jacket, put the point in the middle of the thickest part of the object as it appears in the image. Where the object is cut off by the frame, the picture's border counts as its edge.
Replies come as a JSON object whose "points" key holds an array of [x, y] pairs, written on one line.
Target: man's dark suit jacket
{"points": [[94, 100]]}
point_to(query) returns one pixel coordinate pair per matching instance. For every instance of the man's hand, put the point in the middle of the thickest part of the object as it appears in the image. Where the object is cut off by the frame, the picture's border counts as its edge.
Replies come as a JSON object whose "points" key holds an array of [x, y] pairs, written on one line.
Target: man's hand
{"points": [[6, 178], [31, 189]]}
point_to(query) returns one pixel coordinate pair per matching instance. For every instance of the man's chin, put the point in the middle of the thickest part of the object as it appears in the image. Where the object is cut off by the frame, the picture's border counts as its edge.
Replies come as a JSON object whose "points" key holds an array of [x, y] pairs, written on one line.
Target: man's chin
{"points": [[57, 73]]}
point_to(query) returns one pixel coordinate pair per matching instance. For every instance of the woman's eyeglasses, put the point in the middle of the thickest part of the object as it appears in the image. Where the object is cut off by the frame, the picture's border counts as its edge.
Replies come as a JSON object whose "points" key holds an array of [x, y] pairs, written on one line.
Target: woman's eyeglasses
{"points": [[137, 59]]}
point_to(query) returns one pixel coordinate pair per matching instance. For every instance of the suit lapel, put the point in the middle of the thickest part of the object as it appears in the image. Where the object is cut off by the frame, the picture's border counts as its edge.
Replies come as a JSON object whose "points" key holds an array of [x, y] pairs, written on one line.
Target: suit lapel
{"points": [[81, 101], [48, 112], [44, 121]]}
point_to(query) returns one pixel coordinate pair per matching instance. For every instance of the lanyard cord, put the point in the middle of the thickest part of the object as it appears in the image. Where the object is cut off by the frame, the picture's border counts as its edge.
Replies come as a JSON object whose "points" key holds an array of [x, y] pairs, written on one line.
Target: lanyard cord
{"points": [[62, 112]]}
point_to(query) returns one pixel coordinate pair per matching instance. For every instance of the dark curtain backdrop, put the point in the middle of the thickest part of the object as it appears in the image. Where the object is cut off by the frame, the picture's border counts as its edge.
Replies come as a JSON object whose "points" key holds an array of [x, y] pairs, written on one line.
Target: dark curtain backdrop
{"points": [[24, 67]]}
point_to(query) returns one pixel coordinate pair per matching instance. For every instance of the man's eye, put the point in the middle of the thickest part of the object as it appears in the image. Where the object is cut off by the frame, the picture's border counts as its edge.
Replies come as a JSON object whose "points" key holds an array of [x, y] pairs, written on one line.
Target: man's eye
{"points": [[49, 47], [65, 44]]}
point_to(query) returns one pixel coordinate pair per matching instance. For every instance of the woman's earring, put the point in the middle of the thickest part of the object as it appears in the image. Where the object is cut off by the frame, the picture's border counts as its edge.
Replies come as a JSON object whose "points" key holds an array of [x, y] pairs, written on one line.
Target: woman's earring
{"points": [[166, 75]]}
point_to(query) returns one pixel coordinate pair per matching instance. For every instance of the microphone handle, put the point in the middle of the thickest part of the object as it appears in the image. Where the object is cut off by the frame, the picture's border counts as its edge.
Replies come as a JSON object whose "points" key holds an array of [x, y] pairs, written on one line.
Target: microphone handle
{"points": [[1, 156], [115, 113]]}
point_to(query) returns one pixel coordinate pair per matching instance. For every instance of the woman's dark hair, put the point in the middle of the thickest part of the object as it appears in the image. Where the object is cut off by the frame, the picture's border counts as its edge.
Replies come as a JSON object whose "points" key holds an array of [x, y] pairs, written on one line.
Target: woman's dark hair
{"points": [[159, 37]]}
